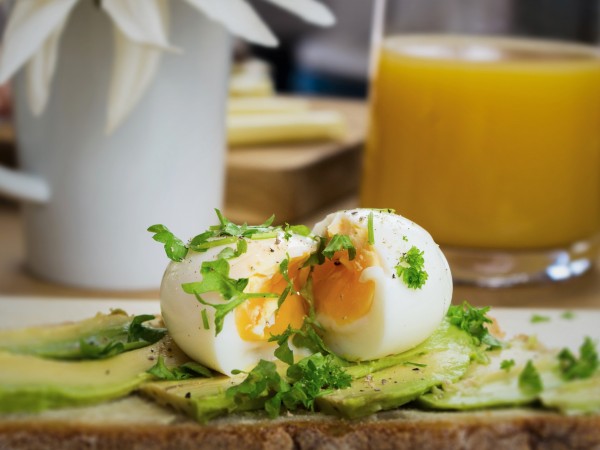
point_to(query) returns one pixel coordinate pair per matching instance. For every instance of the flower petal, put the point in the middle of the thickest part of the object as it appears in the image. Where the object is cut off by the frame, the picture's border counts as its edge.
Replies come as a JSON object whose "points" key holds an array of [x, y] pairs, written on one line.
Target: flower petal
{"points": [[142, 21], [134, 68], [310, 10], [29, 25], [239, 18], [40, 70]]}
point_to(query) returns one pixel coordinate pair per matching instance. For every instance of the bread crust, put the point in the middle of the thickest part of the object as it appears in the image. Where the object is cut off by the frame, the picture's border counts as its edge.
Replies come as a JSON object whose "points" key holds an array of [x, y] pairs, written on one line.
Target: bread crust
{"points": [[514, 429]]}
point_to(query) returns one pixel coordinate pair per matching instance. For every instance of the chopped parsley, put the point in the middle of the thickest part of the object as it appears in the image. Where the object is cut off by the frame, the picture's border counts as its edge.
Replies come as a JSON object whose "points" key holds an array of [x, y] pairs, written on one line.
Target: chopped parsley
{"points": [[283, 270], [530, 381], [174, 247], [183, 372], [585, 366], [338, 243], [225, 233], [568, 315], [215, 278], [537, 318], [507, 364], [473, 320], [410, 268], [302, 230], [205, 323], [307, 336], [310, 378], [370, 230]]}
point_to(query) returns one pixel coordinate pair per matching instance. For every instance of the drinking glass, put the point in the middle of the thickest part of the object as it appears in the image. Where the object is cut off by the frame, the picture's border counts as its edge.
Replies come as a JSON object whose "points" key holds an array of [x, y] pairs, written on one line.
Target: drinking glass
{"points": [[487, 134]]}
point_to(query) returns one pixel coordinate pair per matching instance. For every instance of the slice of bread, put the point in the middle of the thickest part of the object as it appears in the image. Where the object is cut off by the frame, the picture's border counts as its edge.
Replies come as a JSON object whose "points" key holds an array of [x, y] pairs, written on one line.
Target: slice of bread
{"points": [[134, 423]]}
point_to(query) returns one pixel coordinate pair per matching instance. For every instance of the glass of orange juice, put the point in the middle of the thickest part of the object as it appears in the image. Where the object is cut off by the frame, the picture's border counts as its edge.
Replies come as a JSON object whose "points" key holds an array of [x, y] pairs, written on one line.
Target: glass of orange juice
{"points": [[492, 143]]}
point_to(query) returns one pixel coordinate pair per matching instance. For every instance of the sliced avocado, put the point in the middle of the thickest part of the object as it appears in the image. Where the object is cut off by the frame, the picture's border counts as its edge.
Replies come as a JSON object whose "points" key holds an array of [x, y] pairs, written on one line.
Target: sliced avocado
{"points": [[488, 385], [30, 383], [575, 397], [443, 358], [446, 354], [441, 337], [65, 341], [201, 398]]}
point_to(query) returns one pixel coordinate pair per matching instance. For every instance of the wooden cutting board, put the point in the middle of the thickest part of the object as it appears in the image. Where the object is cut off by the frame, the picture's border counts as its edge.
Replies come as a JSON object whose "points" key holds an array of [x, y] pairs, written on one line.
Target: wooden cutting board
{"points": [[293, 180]]}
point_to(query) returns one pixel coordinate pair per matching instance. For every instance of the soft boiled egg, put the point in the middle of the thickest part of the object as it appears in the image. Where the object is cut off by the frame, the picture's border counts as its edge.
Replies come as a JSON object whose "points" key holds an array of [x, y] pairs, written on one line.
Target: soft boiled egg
{"points": [[243, 340], [365, 307]]}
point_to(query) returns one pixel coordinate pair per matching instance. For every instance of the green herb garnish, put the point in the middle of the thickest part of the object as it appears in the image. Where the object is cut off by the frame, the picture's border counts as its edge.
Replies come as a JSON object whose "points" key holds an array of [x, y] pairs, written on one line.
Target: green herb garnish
{"points": [[410, 268], [182, 372], [215, 278], [507, 364], [305, 381], [371, 231], [338, 243], [568, 315], [301, 230], [305, 337], [174, 247], [530, 381], [473, 320], [585, 366], [536, 318], [283, 270], [205, 323]]}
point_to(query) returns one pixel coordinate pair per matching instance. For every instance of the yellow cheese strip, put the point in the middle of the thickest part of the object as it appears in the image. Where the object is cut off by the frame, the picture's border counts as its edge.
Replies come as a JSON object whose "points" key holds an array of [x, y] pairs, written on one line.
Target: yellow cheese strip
{"points": [[259, 129], [266, 105]]}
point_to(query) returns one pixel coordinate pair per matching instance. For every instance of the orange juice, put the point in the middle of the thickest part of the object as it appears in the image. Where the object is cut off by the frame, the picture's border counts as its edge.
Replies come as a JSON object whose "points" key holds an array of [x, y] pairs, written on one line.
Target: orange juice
{"points": [[487, 143]]}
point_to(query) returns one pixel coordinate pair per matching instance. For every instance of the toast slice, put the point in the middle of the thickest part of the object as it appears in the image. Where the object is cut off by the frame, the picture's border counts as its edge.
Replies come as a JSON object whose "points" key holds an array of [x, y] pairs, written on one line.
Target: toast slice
{"points": [[134, 423]]}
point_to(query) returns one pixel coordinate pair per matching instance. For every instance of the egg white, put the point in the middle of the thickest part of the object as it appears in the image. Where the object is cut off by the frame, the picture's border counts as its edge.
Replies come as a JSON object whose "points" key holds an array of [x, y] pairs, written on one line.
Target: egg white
{"points": [[400, 317], [182, 312]]}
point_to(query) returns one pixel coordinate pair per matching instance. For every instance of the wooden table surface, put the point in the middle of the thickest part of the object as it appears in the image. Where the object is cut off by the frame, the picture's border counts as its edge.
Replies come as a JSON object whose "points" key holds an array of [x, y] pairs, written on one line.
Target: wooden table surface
{"points": [[583, 292]]}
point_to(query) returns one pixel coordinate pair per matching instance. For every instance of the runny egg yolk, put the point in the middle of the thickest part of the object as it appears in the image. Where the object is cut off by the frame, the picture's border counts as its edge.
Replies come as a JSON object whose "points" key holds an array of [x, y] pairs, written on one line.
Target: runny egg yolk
{"points": [[338, 292], [258, 318]]}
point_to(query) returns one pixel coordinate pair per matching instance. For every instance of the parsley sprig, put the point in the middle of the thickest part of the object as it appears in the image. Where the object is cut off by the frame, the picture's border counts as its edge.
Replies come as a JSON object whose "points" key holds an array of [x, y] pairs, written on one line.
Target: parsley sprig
{"points": [[305, 381], [224, 233], [307, 336], [215, 278], [507, 364], [410, 268], [473, 320], [185, 371], [174, 247], [585, 366], [337, 243], [530, 381]]}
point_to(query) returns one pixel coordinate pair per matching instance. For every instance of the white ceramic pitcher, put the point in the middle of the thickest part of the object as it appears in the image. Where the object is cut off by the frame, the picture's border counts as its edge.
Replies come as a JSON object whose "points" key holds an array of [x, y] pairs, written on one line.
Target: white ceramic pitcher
{"points": [[88, 197]]}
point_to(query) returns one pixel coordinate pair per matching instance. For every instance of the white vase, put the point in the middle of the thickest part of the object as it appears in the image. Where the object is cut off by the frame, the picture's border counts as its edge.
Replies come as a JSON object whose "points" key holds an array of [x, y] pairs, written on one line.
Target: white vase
{"points": [[165, 164]]}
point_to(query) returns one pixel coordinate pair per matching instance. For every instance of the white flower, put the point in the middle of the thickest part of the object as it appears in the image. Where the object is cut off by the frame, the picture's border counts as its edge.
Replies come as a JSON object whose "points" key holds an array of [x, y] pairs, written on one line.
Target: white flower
{"points": [[34, 28]]}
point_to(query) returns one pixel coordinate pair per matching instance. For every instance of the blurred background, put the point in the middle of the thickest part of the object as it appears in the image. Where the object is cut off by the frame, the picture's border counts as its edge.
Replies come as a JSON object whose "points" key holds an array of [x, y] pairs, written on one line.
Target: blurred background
{"points": [[334, 61], [327, 70]]}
